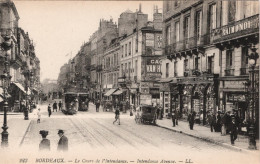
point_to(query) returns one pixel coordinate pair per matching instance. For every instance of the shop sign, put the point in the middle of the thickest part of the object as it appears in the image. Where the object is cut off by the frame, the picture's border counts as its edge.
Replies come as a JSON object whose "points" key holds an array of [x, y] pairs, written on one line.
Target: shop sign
{"points": [[153, 65], [235, 84], [236, 97], [238, 28]]}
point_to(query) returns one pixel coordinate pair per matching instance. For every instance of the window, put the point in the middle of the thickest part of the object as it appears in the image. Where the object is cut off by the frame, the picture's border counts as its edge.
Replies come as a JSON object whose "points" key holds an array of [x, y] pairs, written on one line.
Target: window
{"points": [[196, 63], [122, 69], [167, 6], [136, 67], [177, 31], [186, 65], [130, 48], [213, 16], [231, 11], [122, 50], [129, 68], [229, 58], [136, 44], [244, 57], [167, 69], [168, 35], [125, 50], [175, 68], [186, 27], [198, 23], [210, 64]]}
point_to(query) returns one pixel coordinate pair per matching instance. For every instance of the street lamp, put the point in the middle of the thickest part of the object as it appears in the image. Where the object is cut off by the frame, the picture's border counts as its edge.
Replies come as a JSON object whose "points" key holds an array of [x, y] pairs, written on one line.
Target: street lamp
{"points": [[5, 79], [252, 102]]}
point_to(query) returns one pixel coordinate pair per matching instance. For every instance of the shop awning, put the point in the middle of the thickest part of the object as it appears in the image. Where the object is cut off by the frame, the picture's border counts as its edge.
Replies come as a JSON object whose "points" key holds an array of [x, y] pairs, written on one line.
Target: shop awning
{"points": [[21, 87], [110, 92], [119, 92]]}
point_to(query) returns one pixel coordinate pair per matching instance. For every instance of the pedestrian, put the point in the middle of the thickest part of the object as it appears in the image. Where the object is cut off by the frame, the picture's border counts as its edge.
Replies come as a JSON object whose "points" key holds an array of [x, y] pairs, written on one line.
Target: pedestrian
{"points": [[238, 121], [233, 130], [97, 106], [54, 106], [191, 118], [60, 105], [177, 114], [49, 110], [211, 121], [218, 124], [173, 118], [117, 116], [63, 142], [45, 143], [161, 112], [39, 116], [158, 111]]}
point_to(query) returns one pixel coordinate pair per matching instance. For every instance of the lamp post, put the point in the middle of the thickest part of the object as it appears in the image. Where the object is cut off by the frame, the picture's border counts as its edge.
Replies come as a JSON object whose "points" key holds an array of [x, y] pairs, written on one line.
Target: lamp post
{"points": [[5, 79], [252, 101]]}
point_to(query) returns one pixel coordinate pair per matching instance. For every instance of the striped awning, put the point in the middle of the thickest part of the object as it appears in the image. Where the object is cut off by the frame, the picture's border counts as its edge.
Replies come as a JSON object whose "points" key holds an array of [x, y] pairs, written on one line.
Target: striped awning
{"points": [[119, 92]]}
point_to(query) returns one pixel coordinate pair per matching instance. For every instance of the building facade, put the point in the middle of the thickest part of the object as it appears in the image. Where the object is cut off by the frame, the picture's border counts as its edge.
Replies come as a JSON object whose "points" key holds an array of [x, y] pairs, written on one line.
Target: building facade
{"points": [[203, 74]]}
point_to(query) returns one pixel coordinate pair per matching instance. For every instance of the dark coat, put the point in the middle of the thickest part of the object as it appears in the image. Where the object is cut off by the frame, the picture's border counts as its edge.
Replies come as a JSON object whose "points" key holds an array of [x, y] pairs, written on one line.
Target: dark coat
{"points": [[44, 144], [63, 144], [233, 128], [60, 104], [54, 106], [174, 117]]}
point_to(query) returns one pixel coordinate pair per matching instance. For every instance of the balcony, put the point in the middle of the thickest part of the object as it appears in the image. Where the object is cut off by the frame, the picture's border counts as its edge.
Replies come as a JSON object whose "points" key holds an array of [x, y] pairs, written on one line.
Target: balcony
{"points": [[229, 72], [208, 72], [99, 68], [244, 71]]}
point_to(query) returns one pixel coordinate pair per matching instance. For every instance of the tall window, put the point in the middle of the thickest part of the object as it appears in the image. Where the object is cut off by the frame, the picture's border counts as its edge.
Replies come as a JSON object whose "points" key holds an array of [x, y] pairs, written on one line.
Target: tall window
{"points": [[186, 27], [130, 48], [122, 50], [198, 23], [186, 64], [129, 68], [231, 11], [196, 63], [136, 67], [244, 57], [229, 58], [167, 6], [136, 44], [168, 35], [125, 50], [177, 31], [115, 59], [213, 16], [167, 69], [175, 68], [122, 69], [210, 64]]}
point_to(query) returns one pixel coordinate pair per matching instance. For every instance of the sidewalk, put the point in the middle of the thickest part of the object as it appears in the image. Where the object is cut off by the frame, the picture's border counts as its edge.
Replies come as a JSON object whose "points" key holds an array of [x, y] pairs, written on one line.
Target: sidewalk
{"points": [[204, 133]]}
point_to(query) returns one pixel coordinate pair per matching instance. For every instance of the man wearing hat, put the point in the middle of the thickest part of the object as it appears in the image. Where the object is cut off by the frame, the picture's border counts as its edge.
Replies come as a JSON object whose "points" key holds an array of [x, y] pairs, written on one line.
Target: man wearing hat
{"points": [[63, 142], [45, 143]]}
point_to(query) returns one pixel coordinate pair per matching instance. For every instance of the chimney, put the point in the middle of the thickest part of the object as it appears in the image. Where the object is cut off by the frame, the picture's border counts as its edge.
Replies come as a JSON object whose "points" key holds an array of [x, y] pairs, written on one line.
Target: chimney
{"points": [[140, 7]]}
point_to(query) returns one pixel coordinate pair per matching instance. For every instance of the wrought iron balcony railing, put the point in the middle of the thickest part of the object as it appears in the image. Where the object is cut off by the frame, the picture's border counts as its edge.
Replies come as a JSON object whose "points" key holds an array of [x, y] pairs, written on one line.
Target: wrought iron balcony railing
{"points": [[244, 71]]}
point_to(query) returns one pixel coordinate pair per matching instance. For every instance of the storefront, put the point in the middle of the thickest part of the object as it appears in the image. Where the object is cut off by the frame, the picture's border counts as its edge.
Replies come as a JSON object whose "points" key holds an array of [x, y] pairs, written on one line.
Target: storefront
{"points": [[165, 94]]}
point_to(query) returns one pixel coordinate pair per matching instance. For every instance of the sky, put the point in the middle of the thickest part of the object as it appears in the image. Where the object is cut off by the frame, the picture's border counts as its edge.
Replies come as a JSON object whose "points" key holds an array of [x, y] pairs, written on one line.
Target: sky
{"points": [[59, 28]]}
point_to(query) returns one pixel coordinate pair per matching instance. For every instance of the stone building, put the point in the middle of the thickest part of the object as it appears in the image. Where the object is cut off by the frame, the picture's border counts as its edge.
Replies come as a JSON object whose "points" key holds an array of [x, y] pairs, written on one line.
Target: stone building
{"points": [[201, 60], [22, 57]]}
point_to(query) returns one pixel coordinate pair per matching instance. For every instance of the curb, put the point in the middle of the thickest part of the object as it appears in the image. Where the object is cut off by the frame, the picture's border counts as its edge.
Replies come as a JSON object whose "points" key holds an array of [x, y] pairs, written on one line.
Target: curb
{"points": [[27, 130], [235, 148]]}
